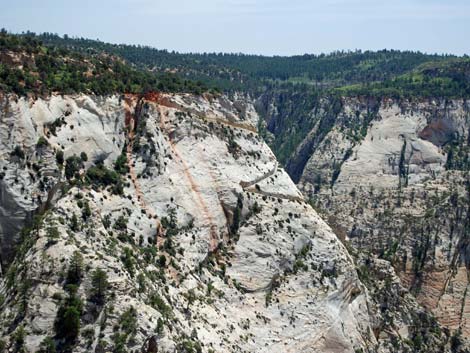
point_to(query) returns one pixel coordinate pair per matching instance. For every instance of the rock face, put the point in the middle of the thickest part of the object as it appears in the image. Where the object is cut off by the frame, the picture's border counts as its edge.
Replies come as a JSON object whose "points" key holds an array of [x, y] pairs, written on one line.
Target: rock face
{"points": [[391, 178], [28, 179], [368, 141], [207, 245]]}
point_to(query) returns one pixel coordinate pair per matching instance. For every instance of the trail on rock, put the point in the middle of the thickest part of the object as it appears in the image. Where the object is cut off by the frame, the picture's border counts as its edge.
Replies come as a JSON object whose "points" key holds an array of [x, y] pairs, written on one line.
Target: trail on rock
{"points": [[162, 100], [249, 186]]}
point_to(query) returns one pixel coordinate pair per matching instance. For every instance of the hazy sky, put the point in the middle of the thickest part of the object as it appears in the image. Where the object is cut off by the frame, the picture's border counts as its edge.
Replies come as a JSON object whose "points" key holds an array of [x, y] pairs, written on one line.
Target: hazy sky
{"points": [[281, 27]]}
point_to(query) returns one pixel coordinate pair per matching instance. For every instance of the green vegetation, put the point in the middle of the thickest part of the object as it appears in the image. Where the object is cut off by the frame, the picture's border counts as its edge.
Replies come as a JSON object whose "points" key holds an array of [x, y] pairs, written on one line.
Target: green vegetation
{"points": [[52, 234], [189, 346], [444, 79], [86, 210], [125, 330], [18, 339], [47, 69], [42, 142], [18, 152], [128, 260], [68, 65], [73, 164], [159, 304], [47, 346], [299, 264], [100, 176], [120, 223], [59, 157], [83, 157], [74, 223], [237, 217], [403, 169], [67, 324], [99, 281], [458, 154], [75, 271], [120, 166], [252, 72]]}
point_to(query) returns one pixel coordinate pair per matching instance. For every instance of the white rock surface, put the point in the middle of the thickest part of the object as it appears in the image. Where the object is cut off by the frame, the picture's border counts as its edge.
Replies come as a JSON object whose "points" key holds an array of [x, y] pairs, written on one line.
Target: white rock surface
{"points": [[279, 282]]}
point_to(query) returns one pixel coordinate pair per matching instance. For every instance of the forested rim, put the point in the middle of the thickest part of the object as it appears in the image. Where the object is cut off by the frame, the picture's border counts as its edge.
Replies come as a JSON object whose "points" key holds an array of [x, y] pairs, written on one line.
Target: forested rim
{"points": [[44, 63], [385, 73], [28, 66]]}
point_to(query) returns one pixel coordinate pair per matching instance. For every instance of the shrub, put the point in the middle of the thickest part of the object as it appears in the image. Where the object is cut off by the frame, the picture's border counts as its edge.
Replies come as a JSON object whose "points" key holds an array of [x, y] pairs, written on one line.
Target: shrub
{"points": [[120, 165], [190, 346], [42, 142], [157, 303], [128, 328], [128, 260], [121, 223], [162, 260], [86, 211], [99, 175], [73, 164], [237, 215], [107, 221], [128, 321], [47, 346], [52, 234], [18, 152], [83, 157], [59, 157], [74, 223]]}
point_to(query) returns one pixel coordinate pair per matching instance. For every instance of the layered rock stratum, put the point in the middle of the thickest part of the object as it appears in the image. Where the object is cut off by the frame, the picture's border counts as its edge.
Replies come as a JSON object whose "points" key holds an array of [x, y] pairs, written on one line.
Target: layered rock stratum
{"points": [[391, 177], [207, 244]]}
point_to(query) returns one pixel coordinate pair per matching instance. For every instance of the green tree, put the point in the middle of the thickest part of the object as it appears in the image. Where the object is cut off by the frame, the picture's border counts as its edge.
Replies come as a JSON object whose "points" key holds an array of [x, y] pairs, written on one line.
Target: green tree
{"points": [[73, 164], [75, 271], [52, 234], [120, 165], [99, 281], [67, 324], [47, 346], [74, 223], [18, 339], [86, 211], [128, 260]]}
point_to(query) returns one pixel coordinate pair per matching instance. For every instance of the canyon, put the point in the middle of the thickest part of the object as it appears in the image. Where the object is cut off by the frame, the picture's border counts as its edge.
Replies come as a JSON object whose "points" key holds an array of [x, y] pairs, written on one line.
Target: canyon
{"points": [[142, 211]]}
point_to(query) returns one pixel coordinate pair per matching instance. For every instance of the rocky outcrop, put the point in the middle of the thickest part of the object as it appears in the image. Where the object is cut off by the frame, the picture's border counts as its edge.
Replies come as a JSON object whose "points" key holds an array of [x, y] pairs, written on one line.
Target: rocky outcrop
{"points": [[205, 242], [396, 192]]}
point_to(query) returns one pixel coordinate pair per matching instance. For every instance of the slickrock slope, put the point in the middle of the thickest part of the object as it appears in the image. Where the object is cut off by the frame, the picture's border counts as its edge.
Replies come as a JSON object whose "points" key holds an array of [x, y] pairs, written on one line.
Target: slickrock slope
{"points": [[206, 243]]}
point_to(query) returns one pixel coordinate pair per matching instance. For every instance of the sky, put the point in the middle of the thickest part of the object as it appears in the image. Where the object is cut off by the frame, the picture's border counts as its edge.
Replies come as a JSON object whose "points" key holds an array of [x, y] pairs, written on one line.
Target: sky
{"points": [[269, 27]]}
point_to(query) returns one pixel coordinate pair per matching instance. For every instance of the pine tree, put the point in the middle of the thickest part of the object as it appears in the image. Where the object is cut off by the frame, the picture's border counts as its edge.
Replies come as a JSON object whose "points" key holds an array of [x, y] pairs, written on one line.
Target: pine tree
{"points": [[75, 272], [100, 285]]}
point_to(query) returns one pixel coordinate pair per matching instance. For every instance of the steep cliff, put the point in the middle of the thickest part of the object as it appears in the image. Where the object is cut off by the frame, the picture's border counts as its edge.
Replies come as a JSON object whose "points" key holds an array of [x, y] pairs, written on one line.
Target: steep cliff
{"points": [[164, 222], [391, 177], [161, 222]]}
